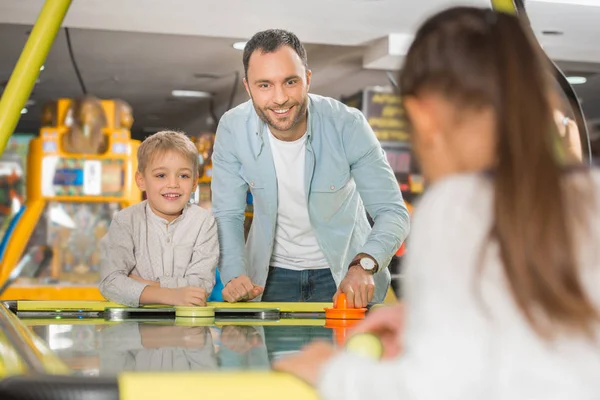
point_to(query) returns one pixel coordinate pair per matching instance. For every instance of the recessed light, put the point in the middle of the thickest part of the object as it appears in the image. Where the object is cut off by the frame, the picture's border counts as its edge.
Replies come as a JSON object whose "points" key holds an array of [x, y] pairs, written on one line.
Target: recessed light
{"points": [[24, 111], [42, 68], [191, 93], [239, 45], [576, 80]]}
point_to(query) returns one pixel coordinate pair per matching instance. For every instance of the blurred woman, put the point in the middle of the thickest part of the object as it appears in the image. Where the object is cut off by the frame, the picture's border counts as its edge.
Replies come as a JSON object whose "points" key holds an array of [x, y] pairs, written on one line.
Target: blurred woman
{"points": [[502, 276]]}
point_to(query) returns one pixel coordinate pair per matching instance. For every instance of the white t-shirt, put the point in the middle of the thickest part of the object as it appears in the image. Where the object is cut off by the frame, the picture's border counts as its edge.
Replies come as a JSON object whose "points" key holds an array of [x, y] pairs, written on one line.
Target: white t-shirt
{"points": [[295, 246], [465, 338]]}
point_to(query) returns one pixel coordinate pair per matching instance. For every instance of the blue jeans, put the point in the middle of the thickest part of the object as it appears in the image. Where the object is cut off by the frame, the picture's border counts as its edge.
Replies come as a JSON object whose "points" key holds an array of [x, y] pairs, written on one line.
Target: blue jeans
{"points": [[315, 285]]}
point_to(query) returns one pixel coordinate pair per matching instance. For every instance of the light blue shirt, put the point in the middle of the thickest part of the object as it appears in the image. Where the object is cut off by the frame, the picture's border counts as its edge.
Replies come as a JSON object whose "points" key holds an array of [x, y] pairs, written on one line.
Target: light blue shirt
{"points": [[346, 173]]}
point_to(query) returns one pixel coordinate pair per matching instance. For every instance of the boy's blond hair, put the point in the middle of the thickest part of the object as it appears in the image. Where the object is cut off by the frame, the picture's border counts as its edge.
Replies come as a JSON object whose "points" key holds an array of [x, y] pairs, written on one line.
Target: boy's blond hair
{"points": [[163, 141]]}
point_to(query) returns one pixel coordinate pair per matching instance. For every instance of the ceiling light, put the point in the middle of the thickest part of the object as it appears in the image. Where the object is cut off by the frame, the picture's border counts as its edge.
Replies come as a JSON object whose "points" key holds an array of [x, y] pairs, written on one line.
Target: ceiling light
{"points": [[239, 45], [24, 111], [42, 68], [191, 93], [576, 80]]}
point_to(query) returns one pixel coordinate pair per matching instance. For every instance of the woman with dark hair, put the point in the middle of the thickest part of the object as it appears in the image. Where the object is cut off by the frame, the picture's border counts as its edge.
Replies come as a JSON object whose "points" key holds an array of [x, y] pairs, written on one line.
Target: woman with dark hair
{"points": [[501, 285]]}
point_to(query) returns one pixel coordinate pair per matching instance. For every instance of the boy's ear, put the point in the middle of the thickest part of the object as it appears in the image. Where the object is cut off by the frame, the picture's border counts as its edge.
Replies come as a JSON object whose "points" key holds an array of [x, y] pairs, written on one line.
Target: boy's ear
{"points": [[139, 180]]}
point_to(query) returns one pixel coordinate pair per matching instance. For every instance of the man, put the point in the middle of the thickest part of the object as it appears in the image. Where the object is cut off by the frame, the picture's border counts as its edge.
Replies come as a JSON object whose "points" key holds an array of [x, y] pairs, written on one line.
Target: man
{"points": [[313, 165]]}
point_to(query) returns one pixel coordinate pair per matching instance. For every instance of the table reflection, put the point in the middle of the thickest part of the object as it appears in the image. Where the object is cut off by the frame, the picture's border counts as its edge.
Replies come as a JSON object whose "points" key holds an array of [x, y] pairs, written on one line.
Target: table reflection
{"points": [[102, 348]]}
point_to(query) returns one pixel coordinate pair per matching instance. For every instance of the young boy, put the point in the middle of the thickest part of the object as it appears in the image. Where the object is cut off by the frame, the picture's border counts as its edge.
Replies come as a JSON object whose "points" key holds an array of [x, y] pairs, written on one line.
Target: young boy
{"points": [[162, 250]]}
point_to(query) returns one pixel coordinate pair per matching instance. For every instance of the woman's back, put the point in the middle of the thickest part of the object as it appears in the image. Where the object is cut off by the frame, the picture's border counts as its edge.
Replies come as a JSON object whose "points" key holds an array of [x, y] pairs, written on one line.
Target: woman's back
{"points": [[459, 298]]}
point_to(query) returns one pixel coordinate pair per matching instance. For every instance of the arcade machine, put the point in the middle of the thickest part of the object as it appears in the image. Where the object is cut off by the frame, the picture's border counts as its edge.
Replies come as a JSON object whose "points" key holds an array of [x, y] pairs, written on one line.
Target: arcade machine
{"points": [[80, 173], [384, 112]]}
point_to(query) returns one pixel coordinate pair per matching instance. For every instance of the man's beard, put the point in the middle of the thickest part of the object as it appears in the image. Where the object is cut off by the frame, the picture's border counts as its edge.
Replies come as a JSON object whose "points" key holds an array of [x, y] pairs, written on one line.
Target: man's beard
{"points": [[298, 113]]}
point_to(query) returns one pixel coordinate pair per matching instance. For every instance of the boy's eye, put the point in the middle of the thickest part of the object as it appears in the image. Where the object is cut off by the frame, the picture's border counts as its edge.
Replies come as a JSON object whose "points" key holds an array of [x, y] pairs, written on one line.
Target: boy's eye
{"points": [[185, 176], [160, 175]]}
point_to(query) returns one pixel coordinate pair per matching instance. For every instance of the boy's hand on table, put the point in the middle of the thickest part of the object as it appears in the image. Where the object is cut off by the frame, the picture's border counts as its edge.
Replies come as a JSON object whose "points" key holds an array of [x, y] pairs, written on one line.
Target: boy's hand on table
{"points": [[187, 296], [241, 289]]}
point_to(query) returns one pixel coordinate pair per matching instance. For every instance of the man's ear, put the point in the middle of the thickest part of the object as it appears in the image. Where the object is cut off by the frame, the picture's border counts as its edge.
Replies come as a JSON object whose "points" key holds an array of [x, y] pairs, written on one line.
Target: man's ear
{"points": [[247, 87]]}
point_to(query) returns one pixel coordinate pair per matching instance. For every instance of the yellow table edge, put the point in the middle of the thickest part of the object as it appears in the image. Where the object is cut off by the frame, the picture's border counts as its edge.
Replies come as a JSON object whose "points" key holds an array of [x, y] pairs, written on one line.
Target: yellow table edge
{"points": [[213, 385]]}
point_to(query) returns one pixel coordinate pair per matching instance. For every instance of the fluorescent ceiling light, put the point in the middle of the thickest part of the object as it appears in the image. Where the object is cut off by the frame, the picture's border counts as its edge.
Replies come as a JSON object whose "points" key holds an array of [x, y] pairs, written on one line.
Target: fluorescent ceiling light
{"points": [[24, 111], [576, 80], [191, 93], [239, 45]]}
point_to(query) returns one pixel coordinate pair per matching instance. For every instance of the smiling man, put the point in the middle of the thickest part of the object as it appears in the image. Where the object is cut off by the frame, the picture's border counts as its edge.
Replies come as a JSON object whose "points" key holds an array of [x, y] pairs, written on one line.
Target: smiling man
{"points": [[315, 168]]}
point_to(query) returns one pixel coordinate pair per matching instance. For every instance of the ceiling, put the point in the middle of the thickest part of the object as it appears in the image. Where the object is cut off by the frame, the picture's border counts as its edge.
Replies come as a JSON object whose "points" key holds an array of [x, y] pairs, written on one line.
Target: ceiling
{"points": [[141, 50]]}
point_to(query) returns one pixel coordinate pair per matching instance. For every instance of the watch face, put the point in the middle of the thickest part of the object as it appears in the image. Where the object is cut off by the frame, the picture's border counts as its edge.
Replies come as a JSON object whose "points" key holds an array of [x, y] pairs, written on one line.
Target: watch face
{"points": [[367, 263]]}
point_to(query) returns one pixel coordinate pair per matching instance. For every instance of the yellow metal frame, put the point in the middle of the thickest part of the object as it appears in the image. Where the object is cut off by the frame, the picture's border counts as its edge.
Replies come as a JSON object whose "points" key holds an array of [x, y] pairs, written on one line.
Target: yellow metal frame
{"points": [[507, 6], [26, 71], [21, 234]]}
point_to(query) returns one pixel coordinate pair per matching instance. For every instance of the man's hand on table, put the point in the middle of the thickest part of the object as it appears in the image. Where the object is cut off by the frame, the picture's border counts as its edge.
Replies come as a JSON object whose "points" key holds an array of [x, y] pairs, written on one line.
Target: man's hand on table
{"points": [[359, 287], [241, 289]]}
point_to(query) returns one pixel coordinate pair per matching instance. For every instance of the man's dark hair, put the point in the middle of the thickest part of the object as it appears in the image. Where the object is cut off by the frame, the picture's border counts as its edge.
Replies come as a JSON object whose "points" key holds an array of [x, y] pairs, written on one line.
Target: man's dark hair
{"points": [[270, 41]]}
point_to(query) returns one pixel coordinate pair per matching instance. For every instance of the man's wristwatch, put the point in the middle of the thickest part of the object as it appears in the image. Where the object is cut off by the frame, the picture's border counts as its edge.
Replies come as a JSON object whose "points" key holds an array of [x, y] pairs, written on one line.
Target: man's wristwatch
{"points": [[366, 262]]}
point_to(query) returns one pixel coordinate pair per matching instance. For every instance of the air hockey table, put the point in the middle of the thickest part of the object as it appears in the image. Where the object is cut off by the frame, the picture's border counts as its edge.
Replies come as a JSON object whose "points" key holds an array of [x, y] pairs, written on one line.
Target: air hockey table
{"points": [[102, 350]]}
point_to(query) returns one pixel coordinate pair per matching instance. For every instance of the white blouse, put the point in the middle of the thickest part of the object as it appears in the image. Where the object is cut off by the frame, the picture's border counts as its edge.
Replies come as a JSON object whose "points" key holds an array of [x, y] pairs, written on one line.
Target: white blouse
{"points": [[465, 338]]}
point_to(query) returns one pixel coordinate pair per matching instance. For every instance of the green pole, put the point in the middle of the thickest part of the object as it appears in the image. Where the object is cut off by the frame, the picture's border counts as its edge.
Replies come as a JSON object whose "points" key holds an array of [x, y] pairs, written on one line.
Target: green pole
{"points": [[26, 71]]}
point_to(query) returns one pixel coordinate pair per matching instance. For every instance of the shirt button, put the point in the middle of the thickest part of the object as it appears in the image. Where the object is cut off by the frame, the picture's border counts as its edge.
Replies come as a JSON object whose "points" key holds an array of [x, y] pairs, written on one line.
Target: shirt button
{"points": [[332, 187], [252, 184], [168, 240]]}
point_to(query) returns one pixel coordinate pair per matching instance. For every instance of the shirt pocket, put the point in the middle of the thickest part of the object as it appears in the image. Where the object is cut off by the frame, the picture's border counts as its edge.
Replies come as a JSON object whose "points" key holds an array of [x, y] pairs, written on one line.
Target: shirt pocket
{"points": [[330, 193], [257, 189]]}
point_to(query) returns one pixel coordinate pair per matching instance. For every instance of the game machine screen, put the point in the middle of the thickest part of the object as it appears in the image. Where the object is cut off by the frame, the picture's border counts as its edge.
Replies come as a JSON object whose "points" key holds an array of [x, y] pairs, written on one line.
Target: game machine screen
{"points": [[80, 173]]}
